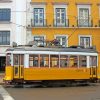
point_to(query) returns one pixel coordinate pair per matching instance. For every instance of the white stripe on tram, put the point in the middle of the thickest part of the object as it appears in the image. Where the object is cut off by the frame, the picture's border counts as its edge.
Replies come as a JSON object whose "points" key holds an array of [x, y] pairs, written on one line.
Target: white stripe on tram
{"points": [[5, 94]]}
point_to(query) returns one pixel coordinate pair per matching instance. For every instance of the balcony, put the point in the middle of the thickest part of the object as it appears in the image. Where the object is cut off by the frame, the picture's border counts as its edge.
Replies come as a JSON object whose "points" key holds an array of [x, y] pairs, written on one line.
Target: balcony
{"points": [[61, 23], [84, 23], [38, 23]]}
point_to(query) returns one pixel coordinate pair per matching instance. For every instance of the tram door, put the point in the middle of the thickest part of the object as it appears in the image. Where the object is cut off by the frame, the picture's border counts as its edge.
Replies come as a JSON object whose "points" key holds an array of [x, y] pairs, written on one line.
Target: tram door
{"points": [[18, 60], [93, 68], [93, 72]]}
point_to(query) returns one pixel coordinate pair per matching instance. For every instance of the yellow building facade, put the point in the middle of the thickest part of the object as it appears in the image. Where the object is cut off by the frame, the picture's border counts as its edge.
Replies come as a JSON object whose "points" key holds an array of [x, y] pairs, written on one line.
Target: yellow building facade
{"points": [[71, 22]]}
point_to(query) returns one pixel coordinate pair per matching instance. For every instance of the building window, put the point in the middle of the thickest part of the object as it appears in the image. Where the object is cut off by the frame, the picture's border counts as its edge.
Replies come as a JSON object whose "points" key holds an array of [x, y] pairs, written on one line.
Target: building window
{"points": [[60, 17], [38, 14], [39, 40], [4, 37], [5, 14], [85, 41], [84, 19], [62, 40]]}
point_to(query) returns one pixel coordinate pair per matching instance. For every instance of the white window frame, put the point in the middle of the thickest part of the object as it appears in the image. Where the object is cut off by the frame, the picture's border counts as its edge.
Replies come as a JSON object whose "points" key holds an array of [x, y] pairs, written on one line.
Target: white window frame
{"points": [[6, 6], [11, 37], [39, 36], [26, 60], [38, 6], [86, 36], [59, 6], [84, 6], [63, 36]]}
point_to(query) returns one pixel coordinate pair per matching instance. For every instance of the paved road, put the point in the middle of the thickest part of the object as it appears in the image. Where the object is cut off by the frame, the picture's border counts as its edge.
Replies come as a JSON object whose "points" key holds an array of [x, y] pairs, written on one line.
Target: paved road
{"points": [[1, 97], [55, 93]]}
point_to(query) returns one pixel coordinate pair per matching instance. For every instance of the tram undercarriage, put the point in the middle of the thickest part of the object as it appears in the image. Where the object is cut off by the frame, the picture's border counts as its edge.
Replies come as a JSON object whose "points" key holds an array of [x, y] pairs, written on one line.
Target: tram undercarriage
{"points": [[49, 83]]}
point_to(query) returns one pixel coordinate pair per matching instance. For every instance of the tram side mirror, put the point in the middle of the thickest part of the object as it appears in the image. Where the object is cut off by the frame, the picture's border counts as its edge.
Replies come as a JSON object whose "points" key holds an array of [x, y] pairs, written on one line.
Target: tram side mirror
{"points": [[14, 44]]}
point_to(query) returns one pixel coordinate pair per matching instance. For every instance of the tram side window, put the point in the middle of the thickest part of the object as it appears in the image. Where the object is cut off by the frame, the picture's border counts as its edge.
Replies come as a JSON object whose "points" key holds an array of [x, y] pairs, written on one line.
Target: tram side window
{"points": [[82, 61], [22, 59], [33, 60], [16, 60], [44, 60], [54, 60], [8, 60], [93, 61], [73, 61], [63, 61]]}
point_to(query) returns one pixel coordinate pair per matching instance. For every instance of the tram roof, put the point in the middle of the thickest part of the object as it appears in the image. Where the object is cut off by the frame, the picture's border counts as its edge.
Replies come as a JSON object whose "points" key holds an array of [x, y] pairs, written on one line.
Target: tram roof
{"points": [[66, 49]]}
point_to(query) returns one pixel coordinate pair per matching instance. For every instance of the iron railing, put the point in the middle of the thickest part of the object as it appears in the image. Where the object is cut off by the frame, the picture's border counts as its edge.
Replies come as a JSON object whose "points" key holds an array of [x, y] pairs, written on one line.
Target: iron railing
{"points": [[84, 22], [61, 23], [38, 22]]}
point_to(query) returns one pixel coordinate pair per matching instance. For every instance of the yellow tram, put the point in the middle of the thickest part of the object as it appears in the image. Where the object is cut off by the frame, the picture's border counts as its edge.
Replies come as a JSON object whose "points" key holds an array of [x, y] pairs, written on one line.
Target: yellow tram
{"points": [[50, 64]]}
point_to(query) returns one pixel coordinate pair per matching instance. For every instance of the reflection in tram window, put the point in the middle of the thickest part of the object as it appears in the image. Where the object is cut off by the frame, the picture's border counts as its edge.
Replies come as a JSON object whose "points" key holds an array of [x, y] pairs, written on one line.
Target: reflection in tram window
{"points": [[93, 61], [8, 61], [73, 61], [63, 61], [33, 60], [44, 60], [22, 59], [54, 60], [16, 71], [16, 60], [83, 61]]}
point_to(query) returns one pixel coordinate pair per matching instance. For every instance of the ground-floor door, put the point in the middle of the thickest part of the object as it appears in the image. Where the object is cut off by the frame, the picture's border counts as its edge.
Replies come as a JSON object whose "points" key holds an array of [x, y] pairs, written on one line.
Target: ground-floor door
{"points": [[2, 64]]}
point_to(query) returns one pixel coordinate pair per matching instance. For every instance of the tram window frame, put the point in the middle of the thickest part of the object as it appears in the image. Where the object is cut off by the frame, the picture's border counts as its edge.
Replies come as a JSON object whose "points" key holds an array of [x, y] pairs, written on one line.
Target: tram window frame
{"points": [[8, 59], [64, 59], [44, 62], [22, 59], [93, 61], [82, 61], [54, 58], [33, 61], [73, 61], [16, 60]]}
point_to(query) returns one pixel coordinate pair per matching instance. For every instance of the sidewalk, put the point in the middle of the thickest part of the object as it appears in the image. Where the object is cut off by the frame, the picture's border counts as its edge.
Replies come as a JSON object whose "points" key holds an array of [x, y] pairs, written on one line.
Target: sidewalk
{"points": [[1, 78]]}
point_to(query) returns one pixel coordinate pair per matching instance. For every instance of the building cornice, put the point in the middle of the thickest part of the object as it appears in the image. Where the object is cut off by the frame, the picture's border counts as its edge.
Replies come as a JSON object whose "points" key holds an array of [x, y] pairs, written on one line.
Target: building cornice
{"points": [[60, 3], [38, 3], [83, 3]]}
